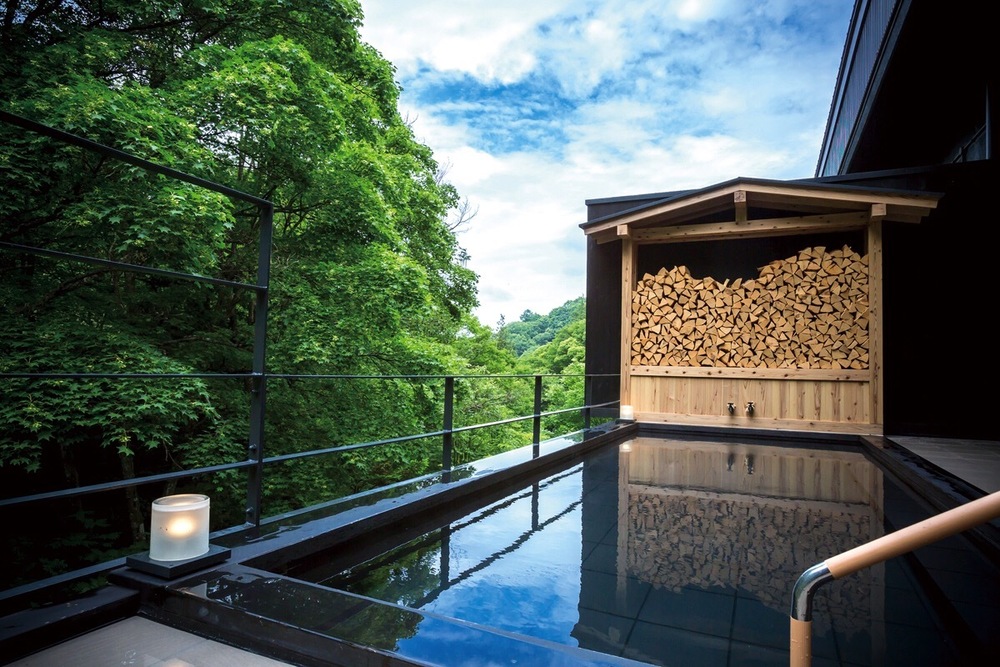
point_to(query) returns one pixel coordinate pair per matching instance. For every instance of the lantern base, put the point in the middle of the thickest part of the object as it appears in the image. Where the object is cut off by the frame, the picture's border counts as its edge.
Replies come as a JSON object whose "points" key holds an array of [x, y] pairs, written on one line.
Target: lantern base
{"points": [[171, 569]]}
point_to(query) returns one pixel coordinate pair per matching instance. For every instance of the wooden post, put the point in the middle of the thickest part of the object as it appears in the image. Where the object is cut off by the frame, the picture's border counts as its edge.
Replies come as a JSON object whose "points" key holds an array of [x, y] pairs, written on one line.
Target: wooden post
{"points": [[740, 202], [875, 312], [628, 283]]}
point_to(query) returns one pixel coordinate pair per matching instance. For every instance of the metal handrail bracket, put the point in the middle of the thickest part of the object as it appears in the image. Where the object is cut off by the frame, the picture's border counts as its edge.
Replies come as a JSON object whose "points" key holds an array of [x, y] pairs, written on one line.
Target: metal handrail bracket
{"points": [[905, 540]]}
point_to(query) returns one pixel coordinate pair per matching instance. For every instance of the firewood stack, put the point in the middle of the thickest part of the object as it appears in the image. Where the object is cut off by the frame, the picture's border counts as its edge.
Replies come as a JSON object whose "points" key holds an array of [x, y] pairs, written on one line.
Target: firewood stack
{"points": [[679, 542], [806, 311]]}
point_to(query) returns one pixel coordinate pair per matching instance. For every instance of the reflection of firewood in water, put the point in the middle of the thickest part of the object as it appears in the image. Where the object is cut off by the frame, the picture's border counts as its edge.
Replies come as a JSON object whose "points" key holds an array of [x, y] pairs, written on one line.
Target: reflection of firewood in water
{"points": [[704, 539]]}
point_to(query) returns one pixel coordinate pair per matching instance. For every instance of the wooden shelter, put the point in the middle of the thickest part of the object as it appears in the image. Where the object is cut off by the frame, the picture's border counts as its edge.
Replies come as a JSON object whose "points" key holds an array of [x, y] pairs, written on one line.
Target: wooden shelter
{"points": [[906, 179], [755, 303]]}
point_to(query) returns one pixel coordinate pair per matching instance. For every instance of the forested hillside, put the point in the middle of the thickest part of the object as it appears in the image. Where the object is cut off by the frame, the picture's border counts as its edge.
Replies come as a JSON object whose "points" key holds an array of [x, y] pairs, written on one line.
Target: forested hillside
{"points": [[283, 101], [533, 330]]}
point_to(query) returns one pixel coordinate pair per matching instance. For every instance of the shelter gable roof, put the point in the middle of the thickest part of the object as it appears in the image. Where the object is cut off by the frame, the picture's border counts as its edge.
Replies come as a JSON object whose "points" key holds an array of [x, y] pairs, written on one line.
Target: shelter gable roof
{"points": [[752, 200]]}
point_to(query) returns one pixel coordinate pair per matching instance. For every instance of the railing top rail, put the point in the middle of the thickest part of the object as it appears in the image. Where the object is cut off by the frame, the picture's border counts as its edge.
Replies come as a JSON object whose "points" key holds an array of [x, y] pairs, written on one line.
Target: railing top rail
{"points": [[146, 165], [76, 491], [125, 266], [291, 376], [282, 376], [123, 376]]}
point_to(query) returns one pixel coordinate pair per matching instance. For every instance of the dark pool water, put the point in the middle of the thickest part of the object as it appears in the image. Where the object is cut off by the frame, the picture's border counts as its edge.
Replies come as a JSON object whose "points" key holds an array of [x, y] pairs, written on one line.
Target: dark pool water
{"points": [[685, 553]]}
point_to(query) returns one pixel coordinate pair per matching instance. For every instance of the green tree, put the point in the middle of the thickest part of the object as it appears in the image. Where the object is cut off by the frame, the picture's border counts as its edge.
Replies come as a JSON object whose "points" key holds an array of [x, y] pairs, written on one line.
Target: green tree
{"points": [[564, 355], [533, 330], [277, 98]]}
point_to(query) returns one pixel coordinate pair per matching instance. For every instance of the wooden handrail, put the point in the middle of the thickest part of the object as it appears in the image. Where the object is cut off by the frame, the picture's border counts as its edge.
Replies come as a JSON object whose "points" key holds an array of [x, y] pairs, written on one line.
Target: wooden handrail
{"points": [[894, 544]]}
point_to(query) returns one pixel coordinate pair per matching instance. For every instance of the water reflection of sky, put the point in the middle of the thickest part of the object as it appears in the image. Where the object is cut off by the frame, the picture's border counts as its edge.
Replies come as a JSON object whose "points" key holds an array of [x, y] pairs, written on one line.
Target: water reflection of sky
{"points": [[532, 582]]}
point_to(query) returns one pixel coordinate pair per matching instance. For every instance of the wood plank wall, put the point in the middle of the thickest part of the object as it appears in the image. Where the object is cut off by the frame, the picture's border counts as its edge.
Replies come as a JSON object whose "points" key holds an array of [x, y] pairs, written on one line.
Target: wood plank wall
{"points": [[821, 365], [778, 403]]}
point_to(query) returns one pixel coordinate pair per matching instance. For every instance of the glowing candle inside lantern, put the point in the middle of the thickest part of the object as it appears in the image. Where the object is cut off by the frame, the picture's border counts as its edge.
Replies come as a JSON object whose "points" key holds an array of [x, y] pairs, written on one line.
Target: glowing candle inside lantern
{"points": [[179, 527]]}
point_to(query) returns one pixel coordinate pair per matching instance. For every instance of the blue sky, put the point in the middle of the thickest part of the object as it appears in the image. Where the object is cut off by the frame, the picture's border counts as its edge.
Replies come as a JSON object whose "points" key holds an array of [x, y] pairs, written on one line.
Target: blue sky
{"points": [[535, 106]]}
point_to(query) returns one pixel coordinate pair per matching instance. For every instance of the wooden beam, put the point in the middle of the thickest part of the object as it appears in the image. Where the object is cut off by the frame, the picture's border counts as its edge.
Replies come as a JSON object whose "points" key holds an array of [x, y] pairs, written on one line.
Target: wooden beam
{"points": [[905, 206], [811, 425], [875, 341], [804, 374], [837, 196], [740, 201], [697, 201], [805, 224], [606, 236], [623, 231], [879, 211], [911, 219]]}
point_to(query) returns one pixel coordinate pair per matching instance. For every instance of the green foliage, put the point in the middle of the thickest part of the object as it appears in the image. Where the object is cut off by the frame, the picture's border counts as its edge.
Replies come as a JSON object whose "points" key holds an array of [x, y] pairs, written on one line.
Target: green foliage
{"points": [[480, 350], [533, 330], [79, 536], [564, 355], [120, 415], [276, 98], [281, 100]]}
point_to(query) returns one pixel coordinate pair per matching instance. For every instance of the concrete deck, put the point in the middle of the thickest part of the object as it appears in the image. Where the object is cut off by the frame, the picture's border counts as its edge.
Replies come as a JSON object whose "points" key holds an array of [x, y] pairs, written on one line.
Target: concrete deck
{"points": [[140, 641], [977, 462]]}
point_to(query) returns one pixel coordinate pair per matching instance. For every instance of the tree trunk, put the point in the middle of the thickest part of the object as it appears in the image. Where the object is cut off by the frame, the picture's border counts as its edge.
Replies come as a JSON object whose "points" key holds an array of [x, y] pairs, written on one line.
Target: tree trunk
{"points": [[136, 521]]}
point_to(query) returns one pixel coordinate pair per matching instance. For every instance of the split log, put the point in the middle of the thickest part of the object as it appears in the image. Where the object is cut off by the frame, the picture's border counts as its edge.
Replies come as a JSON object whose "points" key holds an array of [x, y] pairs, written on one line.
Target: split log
{"points": [[809, 310]]}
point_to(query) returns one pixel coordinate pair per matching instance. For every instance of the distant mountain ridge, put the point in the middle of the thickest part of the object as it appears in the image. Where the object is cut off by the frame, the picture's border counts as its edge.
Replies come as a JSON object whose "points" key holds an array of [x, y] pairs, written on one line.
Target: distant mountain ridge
{"points": [[533, 330]]}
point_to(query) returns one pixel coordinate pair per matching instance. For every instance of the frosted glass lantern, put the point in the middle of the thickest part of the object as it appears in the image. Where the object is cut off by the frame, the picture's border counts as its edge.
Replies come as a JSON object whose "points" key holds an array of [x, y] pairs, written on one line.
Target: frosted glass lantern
{"points": [[626, 412], [179, 527]]}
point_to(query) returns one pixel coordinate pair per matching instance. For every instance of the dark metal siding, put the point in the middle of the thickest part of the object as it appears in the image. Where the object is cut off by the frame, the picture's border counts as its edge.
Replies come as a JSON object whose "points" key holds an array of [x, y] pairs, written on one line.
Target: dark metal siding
{"points": [[940, 352], [868, 29]]}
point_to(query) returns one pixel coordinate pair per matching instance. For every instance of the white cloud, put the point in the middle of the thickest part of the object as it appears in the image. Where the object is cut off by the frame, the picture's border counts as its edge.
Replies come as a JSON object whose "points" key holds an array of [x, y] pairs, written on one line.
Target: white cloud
{"points": [[536, 107], [489, 40], [696, 11]]}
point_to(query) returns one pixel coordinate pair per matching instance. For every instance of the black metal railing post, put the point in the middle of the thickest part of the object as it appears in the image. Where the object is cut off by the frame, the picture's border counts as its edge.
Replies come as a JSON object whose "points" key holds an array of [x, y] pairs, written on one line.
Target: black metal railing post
{"points": [[447, 438], [536, 431], [588, 397], [258, 393], [534, 506]]}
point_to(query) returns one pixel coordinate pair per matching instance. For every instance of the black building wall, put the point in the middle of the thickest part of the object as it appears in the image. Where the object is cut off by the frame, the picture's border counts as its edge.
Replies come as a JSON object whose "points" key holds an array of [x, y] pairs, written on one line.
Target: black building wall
{"points": [[942, 346], [604, 317]]}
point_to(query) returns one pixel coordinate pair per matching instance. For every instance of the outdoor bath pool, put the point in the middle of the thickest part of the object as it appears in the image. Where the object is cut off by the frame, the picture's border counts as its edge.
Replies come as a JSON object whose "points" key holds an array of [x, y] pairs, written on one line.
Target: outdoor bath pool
{"points": [[629, 550], [681, 552]]}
